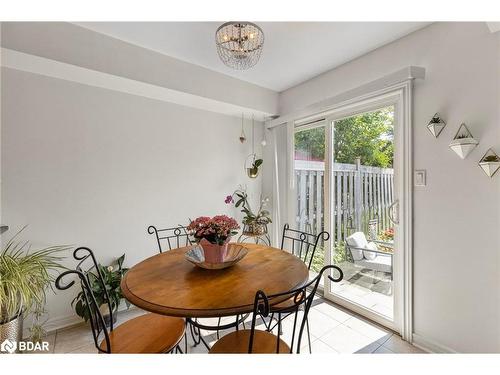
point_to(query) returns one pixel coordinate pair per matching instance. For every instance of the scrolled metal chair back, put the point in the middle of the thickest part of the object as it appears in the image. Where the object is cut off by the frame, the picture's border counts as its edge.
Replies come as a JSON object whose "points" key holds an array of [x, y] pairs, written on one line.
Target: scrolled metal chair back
{"points": [[301, 298], [174, 237], [302, 244], [88, 269]]}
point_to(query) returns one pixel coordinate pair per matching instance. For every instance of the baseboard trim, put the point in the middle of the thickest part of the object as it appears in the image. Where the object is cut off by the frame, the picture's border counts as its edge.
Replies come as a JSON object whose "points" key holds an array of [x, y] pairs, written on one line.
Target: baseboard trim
{"points": [[429, 345], [70, 321], [62, 322]]}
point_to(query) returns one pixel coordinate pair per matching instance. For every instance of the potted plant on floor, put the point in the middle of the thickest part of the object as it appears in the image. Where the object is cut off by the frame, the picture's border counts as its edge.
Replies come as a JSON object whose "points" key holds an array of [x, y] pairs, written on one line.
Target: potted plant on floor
{"points": [[25, 276], [112, 277]]}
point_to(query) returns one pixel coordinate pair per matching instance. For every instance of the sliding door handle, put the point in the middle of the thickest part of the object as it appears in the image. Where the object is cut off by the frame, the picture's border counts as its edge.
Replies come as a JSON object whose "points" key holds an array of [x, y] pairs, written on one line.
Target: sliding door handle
{"points": [[394, 212]]}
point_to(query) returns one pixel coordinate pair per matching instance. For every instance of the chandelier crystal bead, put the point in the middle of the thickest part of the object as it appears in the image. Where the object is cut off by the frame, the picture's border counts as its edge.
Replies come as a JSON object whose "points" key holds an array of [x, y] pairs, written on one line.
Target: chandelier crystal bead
{"points": [[239, 44]]}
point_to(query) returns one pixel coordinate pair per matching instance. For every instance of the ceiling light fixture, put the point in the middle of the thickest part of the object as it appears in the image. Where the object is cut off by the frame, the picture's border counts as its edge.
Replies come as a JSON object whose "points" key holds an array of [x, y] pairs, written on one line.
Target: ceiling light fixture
{"points": [[239, 44]]}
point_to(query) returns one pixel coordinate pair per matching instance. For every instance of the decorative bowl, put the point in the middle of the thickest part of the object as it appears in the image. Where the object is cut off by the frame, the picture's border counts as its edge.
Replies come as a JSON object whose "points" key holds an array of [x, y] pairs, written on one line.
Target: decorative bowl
{"points": [[235, 253]]}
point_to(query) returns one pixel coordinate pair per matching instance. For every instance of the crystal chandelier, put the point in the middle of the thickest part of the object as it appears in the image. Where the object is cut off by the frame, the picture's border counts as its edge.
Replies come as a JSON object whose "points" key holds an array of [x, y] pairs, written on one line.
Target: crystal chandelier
{"points": [[239, 44]]}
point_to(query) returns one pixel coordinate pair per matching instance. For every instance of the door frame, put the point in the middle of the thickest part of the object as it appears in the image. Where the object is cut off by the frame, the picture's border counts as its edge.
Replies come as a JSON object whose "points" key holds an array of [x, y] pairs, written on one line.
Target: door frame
{"points": [[400, 96]]}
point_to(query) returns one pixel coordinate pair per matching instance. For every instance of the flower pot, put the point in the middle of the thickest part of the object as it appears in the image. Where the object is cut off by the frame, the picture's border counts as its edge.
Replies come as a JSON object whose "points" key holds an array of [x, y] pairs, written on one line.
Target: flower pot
{"points": [[463, 146], [252, 172], [104, 309], [489, 167], [214, 253], [254, 229], [12, 330]]}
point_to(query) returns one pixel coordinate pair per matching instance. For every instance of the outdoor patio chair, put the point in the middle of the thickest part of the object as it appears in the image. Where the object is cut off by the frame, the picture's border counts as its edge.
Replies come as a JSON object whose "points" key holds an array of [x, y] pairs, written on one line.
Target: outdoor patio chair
{"points": [[367, 255]]}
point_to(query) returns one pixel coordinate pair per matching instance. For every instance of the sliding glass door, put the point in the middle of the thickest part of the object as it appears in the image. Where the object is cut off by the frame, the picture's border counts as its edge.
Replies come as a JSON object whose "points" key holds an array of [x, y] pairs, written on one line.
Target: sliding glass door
{"points": [[344, 183]]}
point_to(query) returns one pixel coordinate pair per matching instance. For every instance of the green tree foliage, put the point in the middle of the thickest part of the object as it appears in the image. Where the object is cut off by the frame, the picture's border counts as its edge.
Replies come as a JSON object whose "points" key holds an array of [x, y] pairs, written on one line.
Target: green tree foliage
{"points": [[369, 136]]}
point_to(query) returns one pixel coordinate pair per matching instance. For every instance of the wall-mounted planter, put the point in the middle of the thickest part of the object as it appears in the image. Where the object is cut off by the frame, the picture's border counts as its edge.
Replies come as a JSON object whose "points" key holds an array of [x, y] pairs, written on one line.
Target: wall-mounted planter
{"points": [[490, 163], [436, 125], [464, 142]]}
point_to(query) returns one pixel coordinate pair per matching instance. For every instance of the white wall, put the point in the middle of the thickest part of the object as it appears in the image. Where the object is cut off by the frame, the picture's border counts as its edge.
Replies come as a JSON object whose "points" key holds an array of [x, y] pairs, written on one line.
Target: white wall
{"points": [[457, 215], [89, 166]]}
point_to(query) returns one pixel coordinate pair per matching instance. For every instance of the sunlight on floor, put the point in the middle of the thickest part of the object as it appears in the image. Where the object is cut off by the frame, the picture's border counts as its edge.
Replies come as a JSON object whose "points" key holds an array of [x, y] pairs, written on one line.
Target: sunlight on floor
{"points": [[333, 330]]}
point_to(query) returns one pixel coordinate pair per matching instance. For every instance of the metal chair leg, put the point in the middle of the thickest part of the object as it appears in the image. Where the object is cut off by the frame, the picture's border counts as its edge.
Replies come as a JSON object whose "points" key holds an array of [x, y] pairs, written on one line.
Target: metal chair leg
{"points": [[308, 335], [268, 326], [280, 331], [196, 336], [186, 338], [218, 325]]}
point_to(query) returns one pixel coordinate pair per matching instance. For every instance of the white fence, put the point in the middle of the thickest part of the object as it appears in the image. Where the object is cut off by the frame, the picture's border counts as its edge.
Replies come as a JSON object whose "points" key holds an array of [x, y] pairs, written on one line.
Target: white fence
{"points": [[360, 194]]}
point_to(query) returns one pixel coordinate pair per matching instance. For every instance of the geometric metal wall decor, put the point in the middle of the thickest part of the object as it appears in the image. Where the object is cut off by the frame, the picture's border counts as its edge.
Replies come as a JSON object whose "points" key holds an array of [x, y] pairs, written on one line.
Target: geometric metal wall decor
{"points": [[436, 125], [490, 163], [463, 142]]}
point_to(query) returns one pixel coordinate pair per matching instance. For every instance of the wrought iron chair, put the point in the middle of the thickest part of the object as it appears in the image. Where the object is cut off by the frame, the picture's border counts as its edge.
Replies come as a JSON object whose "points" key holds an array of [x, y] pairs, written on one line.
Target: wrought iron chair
{"points": [[257, 341], [304, 246], [149, 333], [174, 237]]}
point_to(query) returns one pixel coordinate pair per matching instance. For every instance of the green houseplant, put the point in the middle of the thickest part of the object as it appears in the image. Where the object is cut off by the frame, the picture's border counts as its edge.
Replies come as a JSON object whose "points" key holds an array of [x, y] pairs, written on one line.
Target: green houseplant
{"points": [[112, 277], [25, 276], [491, 159], [253, 170], [255, 223]]}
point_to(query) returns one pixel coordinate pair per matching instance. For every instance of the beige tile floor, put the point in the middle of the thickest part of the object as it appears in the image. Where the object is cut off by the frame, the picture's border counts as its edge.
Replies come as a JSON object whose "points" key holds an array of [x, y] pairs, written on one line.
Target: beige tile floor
{"points": [[333, 330]]}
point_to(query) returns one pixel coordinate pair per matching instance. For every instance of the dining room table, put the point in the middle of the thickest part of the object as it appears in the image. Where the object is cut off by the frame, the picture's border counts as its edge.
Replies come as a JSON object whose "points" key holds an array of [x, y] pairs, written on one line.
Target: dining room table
{"points": [[169, 284]]}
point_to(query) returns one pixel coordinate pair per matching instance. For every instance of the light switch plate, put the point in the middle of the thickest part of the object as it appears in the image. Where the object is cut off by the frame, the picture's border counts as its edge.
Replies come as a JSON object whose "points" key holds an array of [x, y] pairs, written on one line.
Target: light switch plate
{"points": [[420, 178]]}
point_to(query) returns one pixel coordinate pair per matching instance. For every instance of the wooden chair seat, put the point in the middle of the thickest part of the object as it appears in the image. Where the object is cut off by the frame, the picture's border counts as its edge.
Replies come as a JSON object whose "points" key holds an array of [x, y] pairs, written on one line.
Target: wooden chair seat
{"points": [[284, 306], [149, 333], [288, 305], [238, 341]]}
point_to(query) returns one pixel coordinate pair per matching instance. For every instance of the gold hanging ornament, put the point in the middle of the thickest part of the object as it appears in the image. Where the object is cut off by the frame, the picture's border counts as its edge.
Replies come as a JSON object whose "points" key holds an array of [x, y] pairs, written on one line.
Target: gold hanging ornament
{"points": [[243, 138]]}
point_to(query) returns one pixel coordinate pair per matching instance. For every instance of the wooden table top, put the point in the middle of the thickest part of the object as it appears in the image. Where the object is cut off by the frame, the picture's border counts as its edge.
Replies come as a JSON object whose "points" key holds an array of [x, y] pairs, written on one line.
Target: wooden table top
{"points": [[168, 284]]}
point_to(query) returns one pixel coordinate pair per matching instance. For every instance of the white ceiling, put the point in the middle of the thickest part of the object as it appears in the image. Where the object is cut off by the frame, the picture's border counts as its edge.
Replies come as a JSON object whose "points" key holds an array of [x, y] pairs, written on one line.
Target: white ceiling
{"points": [[293, 51]]}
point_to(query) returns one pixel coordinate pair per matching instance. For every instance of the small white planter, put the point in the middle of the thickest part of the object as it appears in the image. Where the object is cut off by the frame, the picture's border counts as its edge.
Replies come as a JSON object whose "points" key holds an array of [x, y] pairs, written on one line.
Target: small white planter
{"points": [[436, 125], [463, 146], [490, 167]]}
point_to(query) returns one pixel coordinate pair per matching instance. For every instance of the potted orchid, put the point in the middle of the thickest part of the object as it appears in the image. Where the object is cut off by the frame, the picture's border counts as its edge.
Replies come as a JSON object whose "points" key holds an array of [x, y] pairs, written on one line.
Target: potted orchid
{"points": [[213, 235], [255, 223]]}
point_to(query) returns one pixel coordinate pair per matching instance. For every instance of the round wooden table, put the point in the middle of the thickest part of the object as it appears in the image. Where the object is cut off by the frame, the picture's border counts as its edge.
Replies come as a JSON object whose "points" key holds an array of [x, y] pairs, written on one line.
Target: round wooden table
{"points": [[168, 284]]}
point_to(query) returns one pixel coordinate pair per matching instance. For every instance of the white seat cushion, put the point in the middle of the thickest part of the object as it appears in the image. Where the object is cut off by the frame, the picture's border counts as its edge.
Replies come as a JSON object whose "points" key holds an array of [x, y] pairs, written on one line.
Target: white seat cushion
{"points": [[357, 239], [382, 263], [369, 254]]}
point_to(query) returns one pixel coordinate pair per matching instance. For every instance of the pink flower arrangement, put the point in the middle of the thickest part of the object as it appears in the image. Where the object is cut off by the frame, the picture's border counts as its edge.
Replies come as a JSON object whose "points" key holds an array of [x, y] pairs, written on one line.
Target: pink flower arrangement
{"points": [[216, 230]]}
